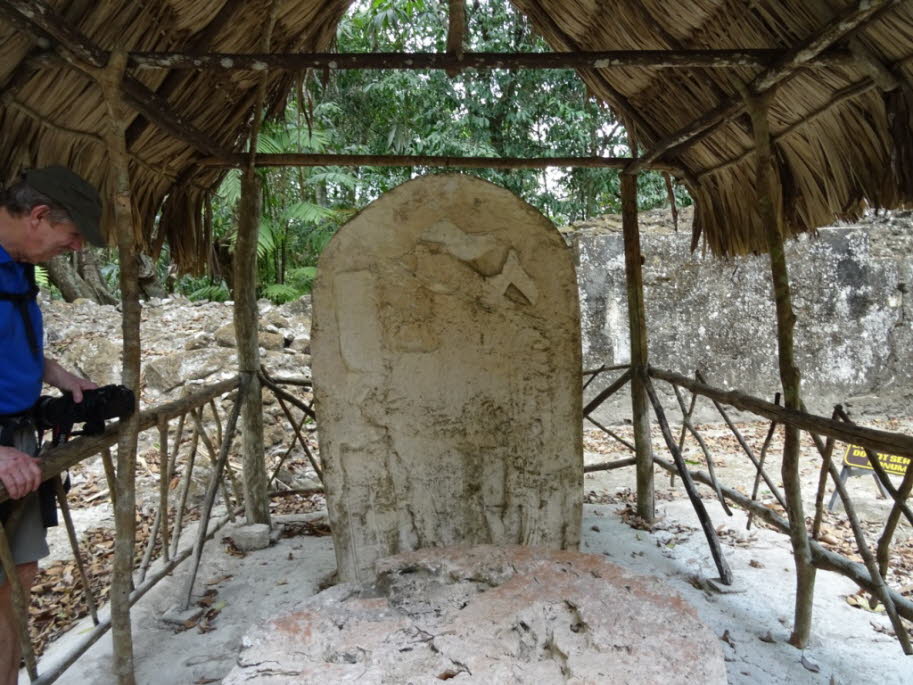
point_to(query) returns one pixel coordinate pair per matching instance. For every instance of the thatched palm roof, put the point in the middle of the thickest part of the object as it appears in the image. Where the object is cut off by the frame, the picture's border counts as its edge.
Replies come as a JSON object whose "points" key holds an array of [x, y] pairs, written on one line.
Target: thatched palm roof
{"points": [[830, 157], [843, 128]]}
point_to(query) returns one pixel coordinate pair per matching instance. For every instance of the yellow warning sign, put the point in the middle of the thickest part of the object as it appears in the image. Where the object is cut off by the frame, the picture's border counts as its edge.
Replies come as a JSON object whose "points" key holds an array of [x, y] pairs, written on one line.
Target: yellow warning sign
{"points": [[893, 464]]}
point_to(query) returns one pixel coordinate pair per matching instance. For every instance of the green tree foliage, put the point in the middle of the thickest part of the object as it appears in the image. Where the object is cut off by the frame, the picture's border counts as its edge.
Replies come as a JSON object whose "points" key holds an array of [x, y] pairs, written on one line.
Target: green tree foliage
{"points": [[297, 220], [499, 112]]}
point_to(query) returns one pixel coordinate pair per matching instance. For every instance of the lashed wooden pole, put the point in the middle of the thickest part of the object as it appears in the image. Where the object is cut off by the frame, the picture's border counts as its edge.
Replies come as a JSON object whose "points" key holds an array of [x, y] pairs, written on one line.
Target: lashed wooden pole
{"points": [[638, 332], [164, 482], [210, 498], [872, 438], [256, 500], [455, 32], [822, 557], [789, 373], [706, 524], [456, 58], [19, 599], [110, 80]]}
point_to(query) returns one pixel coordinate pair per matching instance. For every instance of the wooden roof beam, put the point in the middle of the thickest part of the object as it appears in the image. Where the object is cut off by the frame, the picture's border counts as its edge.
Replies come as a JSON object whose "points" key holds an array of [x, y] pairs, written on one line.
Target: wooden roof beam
{"points": [[848, 93], [666, 59], [39, 19], [198, 43], [310, 160], [880, 73], [770, 78]]}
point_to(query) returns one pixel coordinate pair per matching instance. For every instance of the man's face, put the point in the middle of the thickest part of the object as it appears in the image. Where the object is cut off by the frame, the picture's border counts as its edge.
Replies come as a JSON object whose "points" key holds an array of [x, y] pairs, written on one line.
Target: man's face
{"points": [[47, 238]]}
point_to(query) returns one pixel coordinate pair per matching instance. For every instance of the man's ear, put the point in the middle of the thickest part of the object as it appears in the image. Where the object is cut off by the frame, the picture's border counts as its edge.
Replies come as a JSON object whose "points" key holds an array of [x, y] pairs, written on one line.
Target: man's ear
{"points": [[37, 213]]}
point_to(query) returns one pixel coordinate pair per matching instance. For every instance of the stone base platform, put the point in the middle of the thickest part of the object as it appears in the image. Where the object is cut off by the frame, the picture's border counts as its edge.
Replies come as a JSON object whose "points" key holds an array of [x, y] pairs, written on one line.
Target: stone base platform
{"points": [[487, 615]]}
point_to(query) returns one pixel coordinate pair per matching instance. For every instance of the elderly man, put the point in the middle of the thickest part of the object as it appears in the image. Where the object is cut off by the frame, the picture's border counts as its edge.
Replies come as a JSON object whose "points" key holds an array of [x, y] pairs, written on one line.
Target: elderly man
{"points": [[46, 213]]}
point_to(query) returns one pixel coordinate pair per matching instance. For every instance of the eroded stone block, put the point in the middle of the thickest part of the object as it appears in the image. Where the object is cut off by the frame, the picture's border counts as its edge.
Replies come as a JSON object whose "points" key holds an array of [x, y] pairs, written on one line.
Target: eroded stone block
{"points": [[488, 615], [446, 361]]}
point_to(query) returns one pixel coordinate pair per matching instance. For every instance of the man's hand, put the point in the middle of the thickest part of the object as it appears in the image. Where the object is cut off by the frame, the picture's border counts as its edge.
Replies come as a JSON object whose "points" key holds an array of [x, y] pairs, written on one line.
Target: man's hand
{"points": [[60, 378], [19, 473]]}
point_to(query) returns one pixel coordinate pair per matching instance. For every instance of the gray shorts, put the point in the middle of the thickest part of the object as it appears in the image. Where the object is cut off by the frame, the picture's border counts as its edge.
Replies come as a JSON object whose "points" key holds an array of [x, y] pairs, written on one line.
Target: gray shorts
{"points": [[29, 540]]}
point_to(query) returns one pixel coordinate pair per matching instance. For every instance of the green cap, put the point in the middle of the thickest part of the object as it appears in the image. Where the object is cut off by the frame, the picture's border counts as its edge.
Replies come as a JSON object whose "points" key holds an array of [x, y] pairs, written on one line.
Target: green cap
{"points": [[74, 194]]}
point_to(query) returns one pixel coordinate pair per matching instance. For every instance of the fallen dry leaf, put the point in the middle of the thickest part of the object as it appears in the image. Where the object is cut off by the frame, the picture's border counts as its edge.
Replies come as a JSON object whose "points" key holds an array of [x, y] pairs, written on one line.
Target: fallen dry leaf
{"points": [[810, 665]]}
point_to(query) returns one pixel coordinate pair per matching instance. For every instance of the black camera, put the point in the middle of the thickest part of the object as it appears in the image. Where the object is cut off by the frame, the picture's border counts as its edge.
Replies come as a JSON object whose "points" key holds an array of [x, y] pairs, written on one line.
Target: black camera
{"points": [[97, 406]]}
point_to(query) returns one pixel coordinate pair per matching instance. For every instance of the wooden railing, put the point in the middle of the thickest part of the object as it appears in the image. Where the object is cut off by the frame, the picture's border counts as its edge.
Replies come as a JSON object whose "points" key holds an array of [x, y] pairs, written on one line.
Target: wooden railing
{"points": [[175, 455], [872, 573]]}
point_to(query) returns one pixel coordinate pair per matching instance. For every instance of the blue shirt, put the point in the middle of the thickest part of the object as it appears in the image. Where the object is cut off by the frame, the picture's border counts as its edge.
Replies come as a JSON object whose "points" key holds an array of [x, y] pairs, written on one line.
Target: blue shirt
{"points": [[21, 369]]}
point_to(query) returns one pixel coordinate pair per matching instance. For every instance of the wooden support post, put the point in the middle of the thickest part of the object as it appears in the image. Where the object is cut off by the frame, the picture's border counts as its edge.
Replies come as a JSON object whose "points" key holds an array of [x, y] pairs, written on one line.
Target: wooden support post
{"points": [[638, 332], [110, 80], [256, 503], [256, 498], [789, 374], [455, 32]]}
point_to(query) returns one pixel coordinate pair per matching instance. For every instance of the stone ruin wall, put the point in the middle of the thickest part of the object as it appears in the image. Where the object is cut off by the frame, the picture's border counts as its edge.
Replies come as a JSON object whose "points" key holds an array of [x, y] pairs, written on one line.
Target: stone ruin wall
{"points": [[851, 294]]}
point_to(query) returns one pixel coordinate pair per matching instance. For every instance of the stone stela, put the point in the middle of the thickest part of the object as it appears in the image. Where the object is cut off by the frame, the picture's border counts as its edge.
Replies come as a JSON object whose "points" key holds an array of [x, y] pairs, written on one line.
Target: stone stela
{"points": [[447, 373]]}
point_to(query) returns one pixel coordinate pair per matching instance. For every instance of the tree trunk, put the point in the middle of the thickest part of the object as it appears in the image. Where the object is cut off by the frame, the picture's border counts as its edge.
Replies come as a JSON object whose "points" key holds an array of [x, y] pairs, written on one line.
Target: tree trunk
{"points": [[149, 282], [67, 279], [225, 264], [87, 261]]}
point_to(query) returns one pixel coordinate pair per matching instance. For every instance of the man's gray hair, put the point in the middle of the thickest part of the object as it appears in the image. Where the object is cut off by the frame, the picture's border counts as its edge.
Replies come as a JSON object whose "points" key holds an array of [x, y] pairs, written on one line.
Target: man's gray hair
{"points": [[20, 198]]}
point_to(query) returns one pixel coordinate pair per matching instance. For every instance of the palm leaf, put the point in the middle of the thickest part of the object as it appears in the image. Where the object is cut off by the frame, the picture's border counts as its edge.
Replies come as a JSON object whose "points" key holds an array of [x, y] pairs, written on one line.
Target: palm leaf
{"points": [[307, 212], [41, 276], [213, 293], [230, 188], [332, 177], [279, 293]]}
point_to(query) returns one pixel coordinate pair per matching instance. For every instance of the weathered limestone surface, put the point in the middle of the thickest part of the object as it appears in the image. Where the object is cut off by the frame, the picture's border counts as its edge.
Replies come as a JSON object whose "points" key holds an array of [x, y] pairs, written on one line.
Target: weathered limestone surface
{"points": [[487, 615], [446, 361], [854, 313]]}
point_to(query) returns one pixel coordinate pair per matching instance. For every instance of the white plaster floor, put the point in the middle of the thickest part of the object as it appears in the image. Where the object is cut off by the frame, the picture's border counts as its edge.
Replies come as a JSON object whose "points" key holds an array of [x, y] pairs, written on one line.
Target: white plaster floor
{"points": [[845, 646]]}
